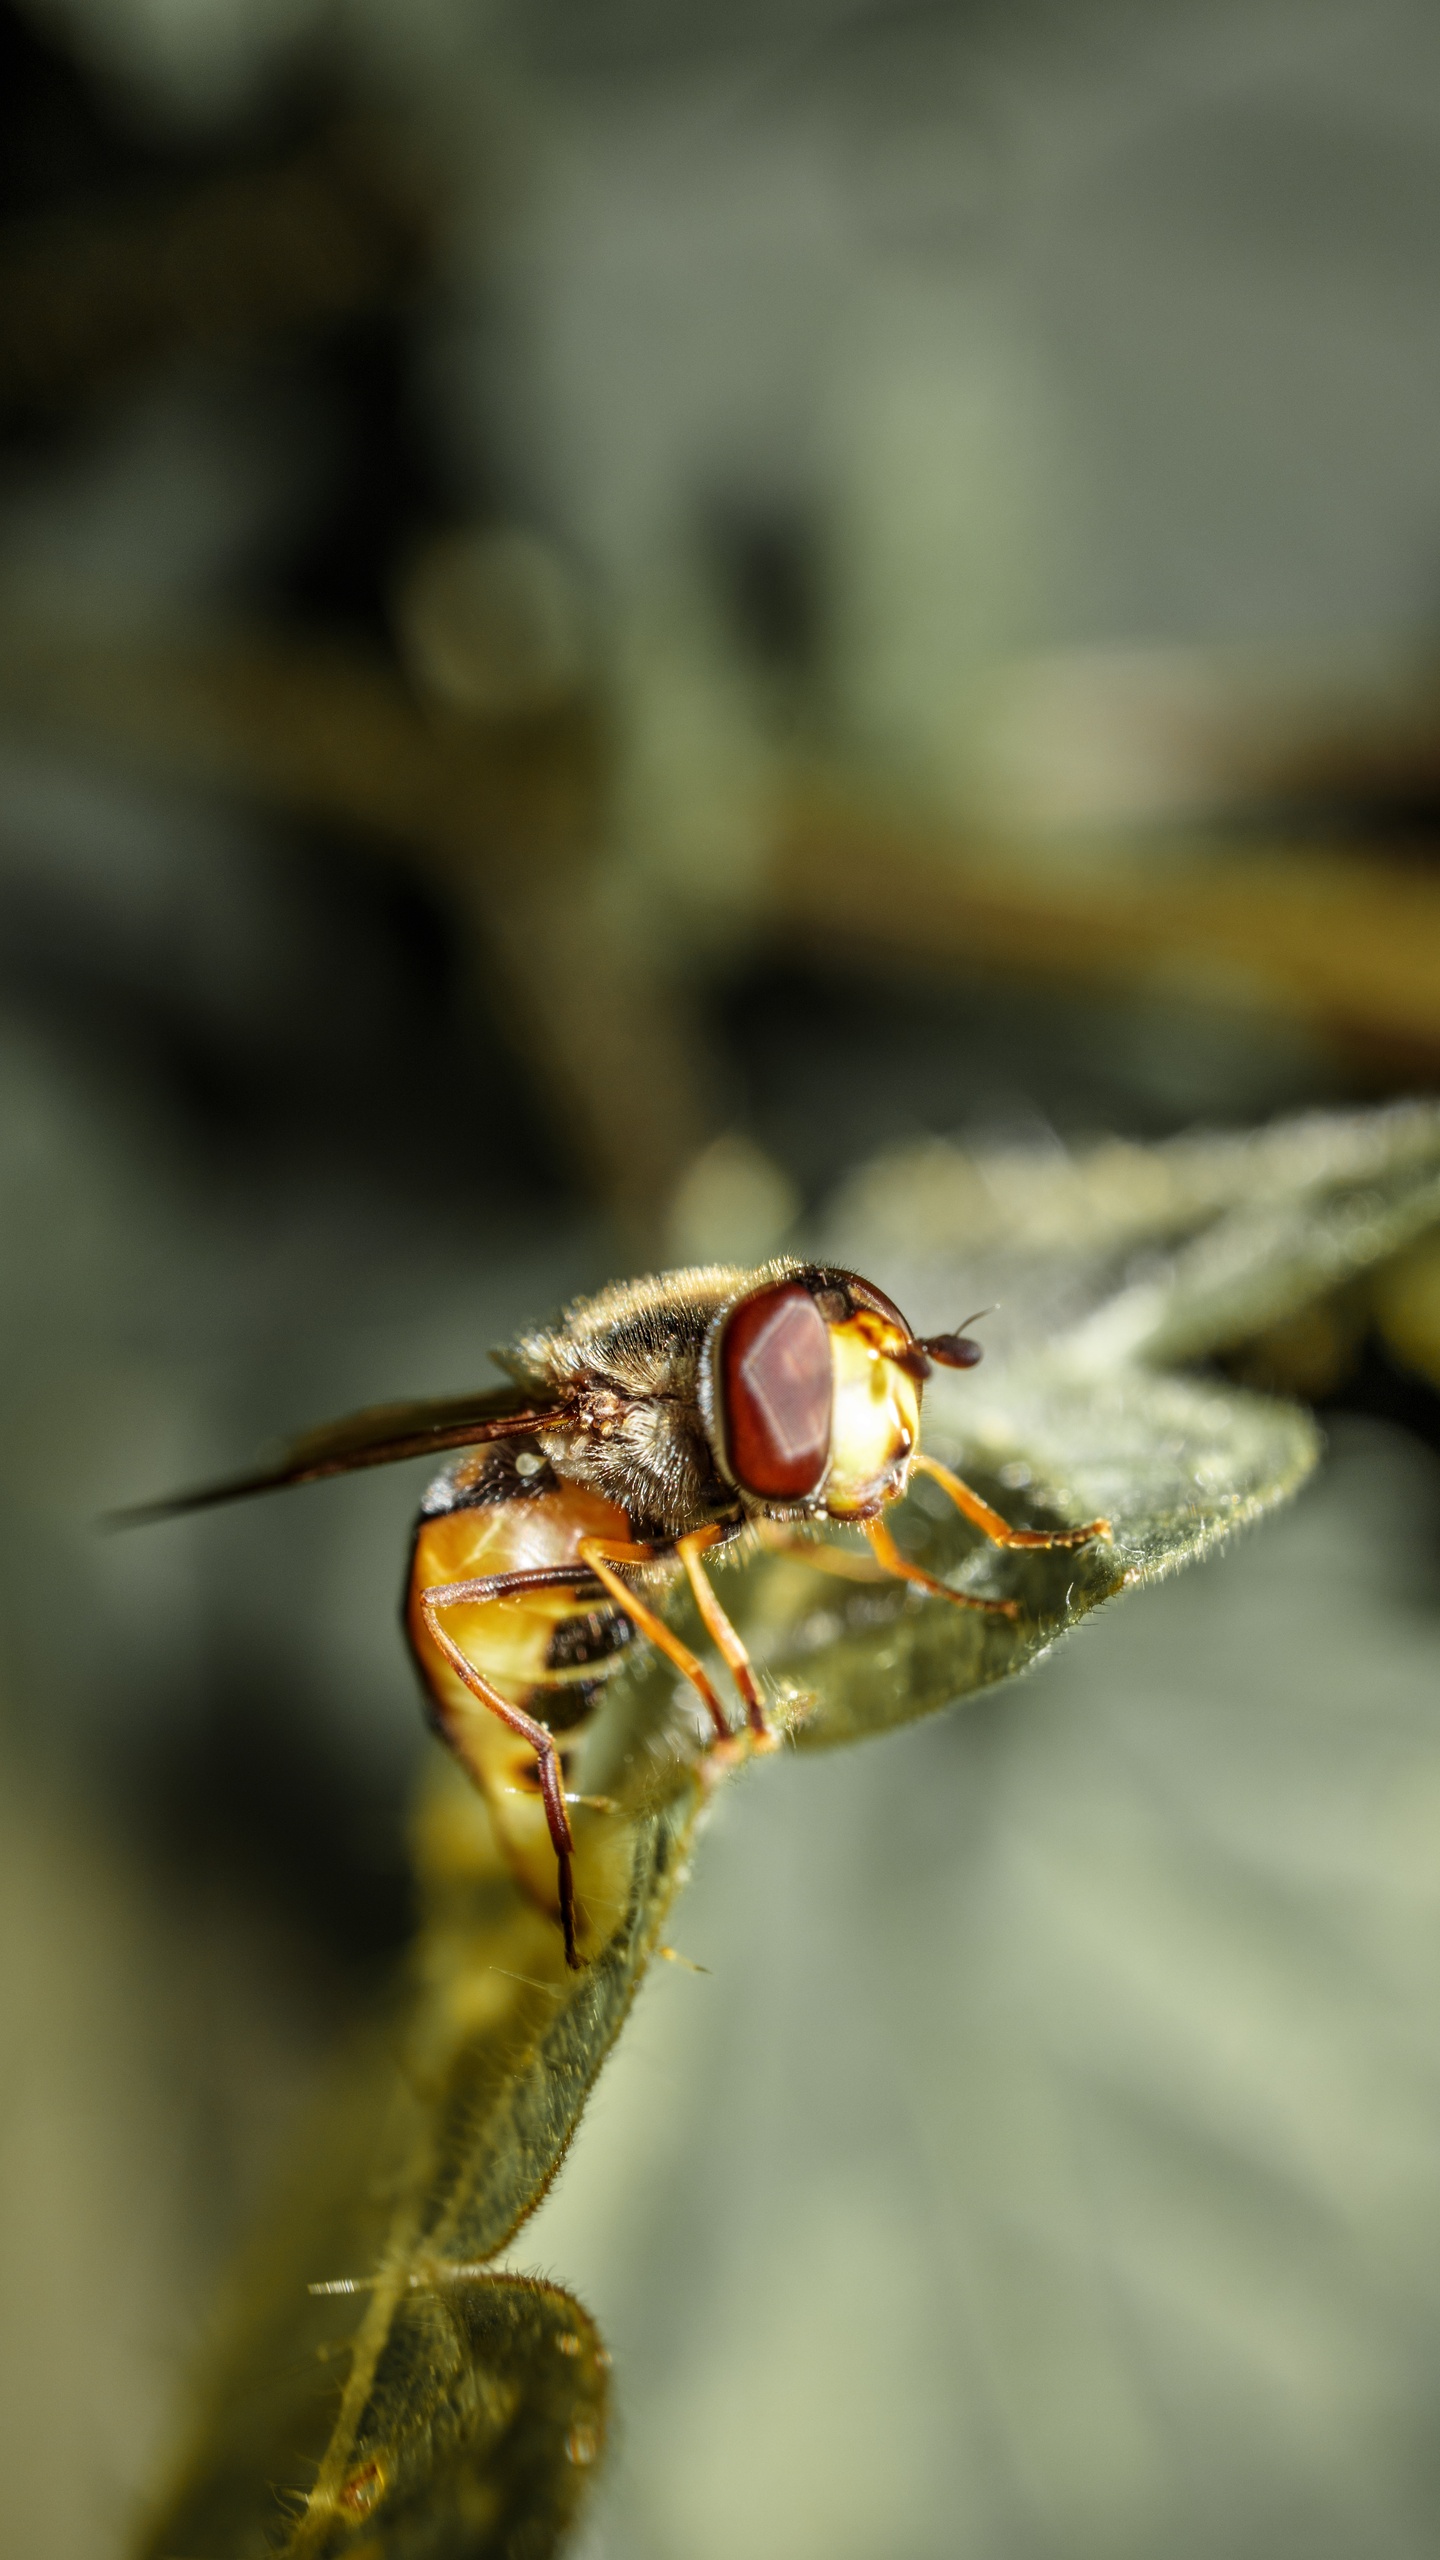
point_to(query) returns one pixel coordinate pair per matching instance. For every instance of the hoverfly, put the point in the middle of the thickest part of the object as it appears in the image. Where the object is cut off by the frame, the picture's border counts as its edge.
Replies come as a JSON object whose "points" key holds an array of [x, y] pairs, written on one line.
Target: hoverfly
{"points": [[649, 1429]]}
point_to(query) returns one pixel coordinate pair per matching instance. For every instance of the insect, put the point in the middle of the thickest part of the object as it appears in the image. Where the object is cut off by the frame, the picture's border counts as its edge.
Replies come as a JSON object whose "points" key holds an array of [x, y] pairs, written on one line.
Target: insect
{"points": [[638, 1438]]}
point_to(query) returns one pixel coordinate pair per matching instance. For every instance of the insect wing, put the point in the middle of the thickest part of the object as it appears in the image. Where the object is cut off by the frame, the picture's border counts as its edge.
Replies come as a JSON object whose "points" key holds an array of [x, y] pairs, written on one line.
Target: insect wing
{"points": [[378, 1437]]}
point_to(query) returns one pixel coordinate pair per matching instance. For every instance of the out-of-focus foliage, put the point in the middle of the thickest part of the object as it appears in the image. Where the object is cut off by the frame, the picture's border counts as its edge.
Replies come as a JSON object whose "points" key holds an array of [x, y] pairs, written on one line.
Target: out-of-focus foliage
{"points": [[416, 2404], [1157, 1253], [1406, 1301], [88, 299]]}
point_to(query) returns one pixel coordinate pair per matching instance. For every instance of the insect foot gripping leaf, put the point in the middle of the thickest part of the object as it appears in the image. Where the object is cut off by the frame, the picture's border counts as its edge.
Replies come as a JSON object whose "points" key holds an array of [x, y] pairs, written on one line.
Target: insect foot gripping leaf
{"points": [[377, 2390]]}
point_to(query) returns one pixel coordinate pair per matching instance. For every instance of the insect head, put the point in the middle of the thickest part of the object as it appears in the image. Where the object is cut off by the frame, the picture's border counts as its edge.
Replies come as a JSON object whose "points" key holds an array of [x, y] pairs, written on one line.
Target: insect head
{"points": [[810, 1390]]}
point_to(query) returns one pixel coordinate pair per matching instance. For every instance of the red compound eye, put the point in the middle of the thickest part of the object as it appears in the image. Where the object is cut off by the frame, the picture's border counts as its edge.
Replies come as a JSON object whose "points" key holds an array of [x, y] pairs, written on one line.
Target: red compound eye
{"points": [[775, 1394]]}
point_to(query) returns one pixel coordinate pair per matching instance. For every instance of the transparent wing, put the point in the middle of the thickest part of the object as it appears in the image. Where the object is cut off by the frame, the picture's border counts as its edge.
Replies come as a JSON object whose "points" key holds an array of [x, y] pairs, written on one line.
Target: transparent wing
{"points": [[378, 1437]]}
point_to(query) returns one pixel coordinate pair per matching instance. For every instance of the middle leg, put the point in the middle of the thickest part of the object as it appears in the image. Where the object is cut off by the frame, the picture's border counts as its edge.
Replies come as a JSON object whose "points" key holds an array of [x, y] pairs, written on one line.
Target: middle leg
{"points": [[602, 1556], [722, 1635], [889, 1565], [778, 1539], [901, 1566]]}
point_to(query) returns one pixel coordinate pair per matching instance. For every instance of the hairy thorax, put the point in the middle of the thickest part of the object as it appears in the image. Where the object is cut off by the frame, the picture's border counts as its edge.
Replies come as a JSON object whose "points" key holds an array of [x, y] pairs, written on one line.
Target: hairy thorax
{"points": [[623, 1370]]}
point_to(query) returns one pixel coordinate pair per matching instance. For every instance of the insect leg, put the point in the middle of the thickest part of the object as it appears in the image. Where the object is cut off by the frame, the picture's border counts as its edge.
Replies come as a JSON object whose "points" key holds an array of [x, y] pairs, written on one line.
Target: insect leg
{"points": [[966, 1500], [722, 1634], [893, 1561], [509, 1586], [843, 1562], [602, 1555]]}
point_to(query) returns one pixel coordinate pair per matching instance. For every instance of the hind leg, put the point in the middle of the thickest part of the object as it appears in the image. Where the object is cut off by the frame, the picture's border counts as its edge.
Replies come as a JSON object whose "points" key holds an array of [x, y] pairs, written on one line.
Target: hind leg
{"points": [[507, 1586]]}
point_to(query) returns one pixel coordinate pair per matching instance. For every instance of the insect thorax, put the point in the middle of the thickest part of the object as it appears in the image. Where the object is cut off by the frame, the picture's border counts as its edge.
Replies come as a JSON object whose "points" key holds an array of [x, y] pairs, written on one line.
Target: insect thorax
{"points": [[625, 1366]]}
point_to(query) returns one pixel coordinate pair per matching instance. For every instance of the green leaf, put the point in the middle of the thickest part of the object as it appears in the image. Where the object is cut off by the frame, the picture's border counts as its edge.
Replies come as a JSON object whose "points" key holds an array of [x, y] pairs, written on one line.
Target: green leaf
{"points": [[483, 2412], [1176, 1468], [1124, 1253], [421, 2406], [375, 2390]]}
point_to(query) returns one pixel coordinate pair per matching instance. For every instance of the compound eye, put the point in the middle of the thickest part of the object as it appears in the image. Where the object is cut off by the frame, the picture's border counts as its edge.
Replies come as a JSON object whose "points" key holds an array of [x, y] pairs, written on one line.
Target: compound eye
{"points": [[775, 1393]]}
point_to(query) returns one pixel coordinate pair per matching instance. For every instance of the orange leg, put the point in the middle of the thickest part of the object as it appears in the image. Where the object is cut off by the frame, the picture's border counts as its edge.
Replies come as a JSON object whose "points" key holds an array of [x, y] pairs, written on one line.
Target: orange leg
{"points": [[893, 1561], [722, 1635], [778, 1540], [602, 1555], [990, 1521], [502, 1586]]}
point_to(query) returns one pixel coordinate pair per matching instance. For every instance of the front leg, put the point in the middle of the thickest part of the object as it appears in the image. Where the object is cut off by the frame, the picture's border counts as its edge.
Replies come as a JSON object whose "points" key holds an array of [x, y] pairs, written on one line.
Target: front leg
{"points": [[966, 1500]]}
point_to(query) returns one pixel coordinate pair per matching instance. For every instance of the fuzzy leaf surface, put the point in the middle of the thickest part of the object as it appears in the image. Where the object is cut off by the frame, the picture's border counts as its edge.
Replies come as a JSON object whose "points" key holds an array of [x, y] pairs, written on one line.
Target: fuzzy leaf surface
{"points": [[429, 2408]]}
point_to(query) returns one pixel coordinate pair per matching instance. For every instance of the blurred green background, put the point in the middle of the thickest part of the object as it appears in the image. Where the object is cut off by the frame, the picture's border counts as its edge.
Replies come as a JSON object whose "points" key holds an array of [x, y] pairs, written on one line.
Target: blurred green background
{"points": [[606, 610]]}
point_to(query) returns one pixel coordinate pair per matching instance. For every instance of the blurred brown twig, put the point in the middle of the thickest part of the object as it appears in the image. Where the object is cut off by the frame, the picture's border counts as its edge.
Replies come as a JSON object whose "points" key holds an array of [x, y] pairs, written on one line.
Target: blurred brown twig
{"points": [[1345, 941]]}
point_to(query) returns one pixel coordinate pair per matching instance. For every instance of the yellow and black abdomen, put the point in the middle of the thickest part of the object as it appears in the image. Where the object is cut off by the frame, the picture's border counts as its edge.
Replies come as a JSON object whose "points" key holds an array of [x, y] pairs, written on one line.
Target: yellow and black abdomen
{"points": [[494, 1512]]}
